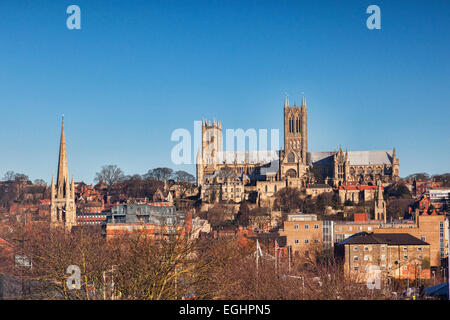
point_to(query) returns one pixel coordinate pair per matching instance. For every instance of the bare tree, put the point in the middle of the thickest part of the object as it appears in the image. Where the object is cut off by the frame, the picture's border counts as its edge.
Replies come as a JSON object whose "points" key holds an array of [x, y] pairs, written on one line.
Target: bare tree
{"points": [[9, 175], [110, 174], [288, 200], [160, 174], [183, 176], [40, 182]]}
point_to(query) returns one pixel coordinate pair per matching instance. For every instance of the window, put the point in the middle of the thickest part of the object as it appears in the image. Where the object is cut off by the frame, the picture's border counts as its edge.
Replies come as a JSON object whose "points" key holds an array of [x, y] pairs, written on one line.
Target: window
{"points": [[295, 226], [291, 157], [366, 258], [423, 238], [405, 249], [306, 226], [349, 228], [355, 268], [316, 241], [419, 249], [355, 258], [355, 248], [366, 248], [306, 241], [316, 226], [383, 257], [369, 228], [405, 257], [419, 256], [405, 268]]}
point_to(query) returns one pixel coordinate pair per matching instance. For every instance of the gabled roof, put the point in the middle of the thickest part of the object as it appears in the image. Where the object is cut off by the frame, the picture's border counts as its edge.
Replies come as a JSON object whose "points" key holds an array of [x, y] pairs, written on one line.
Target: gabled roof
{"points": [[383, 238]]}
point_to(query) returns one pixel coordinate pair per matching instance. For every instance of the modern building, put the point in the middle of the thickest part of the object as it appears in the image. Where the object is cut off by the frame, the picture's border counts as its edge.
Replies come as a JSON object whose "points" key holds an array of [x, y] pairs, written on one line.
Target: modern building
{"points": [[153, 220], [89, 218], [303, 233], [439, 197]]}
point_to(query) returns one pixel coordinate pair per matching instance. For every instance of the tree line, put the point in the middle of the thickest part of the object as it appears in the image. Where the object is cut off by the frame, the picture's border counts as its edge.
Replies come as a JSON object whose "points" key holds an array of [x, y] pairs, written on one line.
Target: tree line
{"points": [[144, 268]]}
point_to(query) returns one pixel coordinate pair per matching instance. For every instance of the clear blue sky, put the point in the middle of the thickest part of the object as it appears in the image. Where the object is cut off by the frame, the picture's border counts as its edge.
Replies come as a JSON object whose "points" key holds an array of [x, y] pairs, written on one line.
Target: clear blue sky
{"points": [[137, 70]]}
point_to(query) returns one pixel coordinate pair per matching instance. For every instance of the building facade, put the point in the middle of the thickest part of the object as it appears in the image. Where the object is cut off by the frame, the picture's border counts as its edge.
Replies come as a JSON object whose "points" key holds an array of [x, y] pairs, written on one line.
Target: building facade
{"points": [[151, 220], [293, 166], [394, 255]]}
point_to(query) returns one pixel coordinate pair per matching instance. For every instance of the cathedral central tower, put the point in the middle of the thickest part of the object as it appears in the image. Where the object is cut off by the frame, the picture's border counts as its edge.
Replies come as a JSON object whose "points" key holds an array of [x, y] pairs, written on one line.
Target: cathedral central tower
{"points": [[295, 131]]}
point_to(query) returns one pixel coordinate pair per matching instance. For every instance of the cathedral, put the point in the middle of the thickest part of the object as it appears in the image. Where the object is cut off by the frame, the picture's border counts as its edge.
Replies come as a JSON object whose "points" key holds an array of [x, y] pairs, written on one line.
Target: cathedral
{"points": [[223, 172], [62, 200]]}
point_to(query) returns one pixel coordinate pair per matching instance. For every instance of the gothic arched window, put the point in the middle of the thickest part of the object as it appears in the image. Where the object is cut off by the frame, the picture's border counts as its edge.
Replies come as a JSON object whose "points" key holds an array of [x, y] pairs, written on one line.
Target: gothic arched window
{"points": [[291, 173], [291, 157]]}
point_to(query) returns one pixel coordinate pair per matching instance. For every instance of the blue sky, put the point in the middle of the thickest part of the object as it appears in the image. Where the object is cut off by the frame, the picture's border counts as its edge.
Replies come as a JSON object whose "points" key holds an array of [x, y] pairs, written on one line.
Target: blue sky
{"points": [[137, 70]]}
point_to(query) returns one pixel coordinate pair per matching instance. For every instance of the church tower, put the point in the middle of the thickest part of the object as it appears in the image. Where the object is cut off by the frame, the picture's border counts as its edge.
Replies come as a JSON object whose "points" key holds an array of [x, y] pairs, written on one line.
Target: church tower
{"points": [[211, 141], [62, 203], [293, 160], [295, 129], [380, 204]]}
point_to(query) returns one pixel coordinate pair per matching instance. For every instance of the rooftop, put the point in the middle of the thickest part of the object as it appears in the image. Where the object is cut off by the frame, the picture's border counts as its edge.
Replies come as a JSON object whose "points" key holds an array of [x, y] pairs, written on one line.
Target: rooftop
{"points": [[383, 238]]}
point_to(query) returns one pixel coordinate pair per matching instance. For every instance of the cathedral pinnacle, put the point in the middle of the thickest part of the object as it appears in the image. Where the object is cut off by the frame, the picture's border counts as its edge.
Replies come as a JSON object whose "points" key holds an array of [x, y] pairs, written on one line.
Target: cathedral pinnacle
{"points": [[303, 100], [286, 100]]}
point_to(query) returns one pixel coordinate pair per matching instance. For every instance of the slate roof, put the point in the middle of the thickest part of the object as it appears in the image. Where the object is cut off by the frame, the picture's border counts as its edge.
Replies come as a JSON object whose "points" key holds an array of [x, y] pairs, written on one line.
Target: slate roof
{"points": [[370, 157], [354, 157], [383, 238], [320, 158]]}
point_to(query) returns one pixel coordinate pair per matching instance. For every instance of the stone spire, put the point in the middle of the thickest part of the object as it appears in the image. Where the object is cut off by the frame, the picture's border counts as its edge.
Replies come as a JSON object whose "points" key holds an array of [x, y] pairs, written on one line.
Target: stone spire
{"points": [[62, 203], [303, 100], [286, 101], [63, 173]]}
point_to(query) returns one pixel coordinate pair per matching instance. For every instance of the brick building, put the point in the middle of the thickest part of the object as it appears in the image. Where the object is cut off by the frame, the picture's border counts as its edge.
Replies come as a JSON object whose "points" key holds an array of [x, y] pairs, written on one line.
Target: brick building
{"points": [[304, 232], [430, 228], [395, 255]]}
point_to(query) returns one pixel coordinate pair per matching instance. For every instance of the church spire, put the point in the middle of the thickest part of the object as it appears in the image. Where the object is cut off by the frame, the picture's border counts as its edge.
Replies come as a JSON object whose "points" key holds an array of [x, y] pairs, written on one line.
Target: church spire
{"points": [[63, 174], [303, 100]]}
